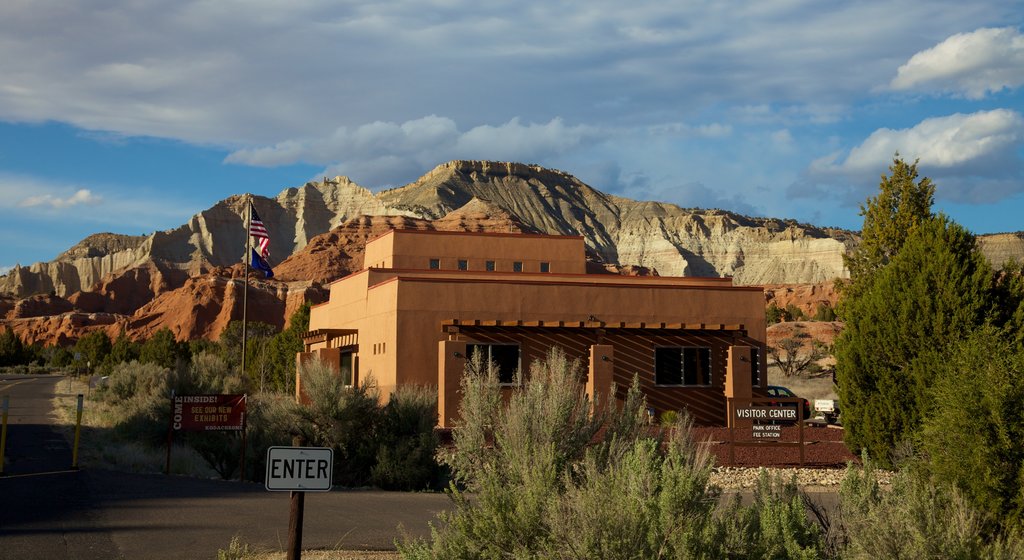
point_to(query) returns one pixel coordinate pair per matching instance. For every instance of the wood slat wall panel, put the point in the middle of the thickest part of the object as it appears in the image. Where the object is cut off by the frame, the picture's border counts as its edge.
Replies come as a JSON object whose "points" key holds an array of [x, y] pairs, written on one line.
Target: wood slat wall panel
{"points": [[634, 355]]}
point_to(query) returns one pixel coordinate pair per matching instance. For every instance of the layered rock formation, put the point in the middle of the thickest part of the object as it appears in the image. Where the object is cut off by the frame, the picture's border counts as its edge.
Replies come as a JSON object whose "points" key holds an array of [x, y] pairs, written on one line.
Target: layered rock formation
{"points": [[662, 237], [188, 278]]}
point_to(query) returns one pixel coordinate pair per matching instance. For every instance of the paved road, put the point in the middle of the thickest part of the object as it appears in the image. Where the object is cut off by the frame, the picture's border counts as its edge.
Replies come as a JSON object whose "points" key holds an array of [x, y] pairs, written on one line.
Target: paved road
{"points": [[96, 514]]}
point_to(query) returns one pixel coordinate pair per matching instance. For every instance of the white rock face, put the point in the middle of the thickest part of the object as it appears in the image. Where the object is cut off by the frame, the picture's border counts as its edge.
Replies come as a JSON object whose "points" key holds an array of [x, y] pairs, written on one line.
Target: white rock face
{"points": [[673, 240]]}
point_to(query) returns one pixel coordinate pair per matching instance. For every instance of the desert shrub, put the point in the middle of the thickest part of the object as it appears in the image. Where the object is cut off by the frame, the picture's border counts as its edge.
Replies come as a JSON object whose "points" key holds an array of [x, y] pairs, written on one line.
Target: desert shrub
{"points": [[793, 313], [544, 486], [773, 314], [271, 421], [916, 518], [774, 525], [137, 395], [971, 438], [345, 418], [138, 400], [407, 443], [824, 312]]}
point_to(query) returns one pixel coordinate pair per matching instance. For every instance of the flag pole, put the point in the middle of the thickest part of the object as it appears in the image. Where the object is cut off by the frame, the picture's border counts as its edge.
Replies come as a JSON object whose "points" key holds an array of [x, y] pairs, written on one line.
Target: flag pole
{"points": [[245, 265]]}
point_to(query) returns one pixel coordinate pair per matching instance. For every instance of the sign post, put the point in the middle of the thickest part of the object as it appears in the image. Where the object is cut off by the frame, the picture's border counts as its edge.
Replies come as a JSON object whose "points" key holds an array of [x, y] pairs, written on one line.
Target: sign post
{"points": [[298, 470]]}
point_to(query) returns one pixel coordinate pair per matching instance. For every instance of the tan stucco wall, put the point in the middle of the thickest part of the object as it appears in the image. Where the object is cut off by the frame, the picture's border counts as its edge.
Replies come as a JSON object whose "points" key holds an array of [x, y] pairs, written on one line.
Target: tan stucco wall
{"points": [[412, 250], [398, 313]]}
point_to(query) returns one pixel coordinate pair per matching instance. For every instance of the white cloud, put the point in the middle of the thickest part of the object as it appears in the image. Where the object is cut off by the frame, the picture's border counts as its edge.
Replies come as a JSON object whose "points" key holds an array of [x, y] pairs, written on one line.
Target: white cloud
{"points": [[215, 73], [81, 196], [5, 269], [972, 64], [711, 130], [941, 142], [973, 157]]}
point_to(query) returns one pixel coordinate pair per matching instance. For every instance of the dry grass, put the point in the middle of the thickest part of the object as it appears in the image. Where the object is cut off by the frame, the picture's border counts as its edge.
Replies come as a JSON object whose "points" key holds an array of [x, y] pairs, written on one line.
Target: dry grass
{"points": [[329, 555], [110, 454]]}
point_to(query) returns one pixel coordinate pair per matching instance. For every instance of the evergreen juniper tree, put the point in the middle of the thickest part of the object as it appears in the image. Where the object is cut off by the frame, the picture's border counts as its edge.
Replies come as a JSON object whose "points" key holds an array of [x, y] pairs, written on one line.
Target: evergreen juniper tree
{"points": [[901, 321]]}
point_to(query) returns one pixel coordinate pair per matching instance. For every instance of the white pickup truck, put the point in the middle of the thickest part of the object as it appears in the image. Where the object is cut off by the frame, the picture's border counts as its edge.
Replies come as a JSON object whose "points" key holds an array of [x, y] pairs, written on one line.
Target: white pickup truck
{"points": [[827, 410]]}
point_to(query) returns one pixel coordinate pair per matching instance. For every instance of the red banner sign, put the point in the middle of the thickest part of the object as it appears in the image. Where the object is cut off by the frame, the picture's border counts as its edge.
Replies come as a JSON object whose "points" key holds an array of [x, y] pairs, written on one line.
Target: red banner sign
{"points": [[198, 413]]}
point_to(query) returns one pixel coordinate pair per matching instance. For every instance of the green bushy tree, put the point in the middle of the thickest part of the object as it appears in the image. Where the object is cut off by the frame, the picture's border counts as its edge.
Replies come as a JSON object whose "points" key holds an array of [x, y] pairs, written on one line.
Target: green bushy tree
{"points": [[902, 203], [123, 349], [12, 349], [163, 349], [972, 436], [93, 348], [824, 312], [902, 320]]}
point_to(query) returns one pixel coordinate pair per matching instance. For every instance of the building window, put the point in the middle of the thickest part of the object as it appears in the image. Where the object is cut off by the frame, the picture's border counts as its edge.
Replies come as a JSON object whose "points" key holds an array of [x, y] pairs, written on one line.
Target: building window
{"points": [[345, 368], [517, 266], [545, 267], [490, 266], [755, 366], [684, 366], [435, 264], [463, 264], [505, 356]]}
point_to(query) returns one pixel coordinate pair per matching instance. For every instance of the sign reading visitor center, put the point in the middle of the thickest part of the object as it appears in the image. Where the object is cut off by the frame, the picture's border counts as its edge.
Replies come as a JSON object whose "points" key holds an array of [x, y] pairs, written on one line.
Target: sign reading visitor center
{"points": [[198, 413], [766, 413], [299, 469]]}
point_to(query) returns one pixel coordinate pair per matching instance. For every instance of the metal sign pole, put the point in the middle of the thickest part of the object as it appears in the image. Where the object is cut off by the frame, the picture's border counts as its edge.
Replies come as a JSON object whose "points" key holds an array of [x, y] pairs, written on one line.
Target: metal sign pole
{"points": [[78, 432]]}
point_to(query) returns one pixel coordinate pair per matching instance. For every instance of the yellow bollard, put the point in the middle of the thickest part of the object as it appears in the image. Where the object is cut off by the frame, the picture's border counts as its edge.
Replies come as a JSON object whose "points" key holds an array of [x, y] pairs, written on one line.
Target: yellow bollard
{"points": [[3, 432], [78, 431]]}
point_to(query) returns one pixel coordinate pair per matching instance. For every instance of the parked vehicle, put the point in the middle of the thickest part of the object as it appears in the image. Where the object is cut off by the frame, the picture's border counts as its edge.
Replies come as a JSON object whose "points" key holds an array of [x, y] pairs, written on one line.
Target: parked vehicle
{"points": [[827, 410], [783, 392]]}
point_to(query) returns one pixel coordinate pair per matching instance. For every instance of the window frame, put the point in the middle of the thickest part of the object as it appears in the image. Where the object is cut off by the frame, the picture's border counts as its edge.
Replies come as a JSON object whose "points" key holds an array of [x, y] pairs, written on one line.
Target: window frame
{"points": [[434, 264], [488, 358], [710, 377], [517, 266], [545, 267], [490, 266], [462, 264]]}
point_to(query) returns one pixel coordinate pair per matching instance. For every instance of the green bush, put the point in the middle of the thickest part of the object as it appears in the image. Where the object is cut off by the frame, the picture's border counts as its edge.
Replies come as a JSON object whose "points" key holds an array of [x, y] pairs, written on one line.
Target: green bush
{"points": [[163, 349], [774, 525], [542, 487], [407, 442], [139, 397], [972, 436], [916, 518], [824, 312], [345, 418]]}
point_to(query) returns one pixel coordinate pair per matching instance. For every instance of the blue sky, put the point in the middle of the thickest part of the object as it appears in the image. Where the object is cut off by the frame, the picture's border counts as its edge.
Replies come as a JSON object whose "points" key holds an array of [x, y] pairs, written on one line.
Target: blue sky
{"points": [[131, 116]]}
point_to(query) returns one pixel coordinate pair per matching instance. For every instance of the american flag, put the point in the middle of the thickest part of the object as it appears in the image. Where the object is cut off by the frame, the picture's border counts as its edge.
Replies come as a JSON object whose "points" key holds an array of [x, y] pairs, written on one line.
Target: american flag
{"points": [[259, 232]]}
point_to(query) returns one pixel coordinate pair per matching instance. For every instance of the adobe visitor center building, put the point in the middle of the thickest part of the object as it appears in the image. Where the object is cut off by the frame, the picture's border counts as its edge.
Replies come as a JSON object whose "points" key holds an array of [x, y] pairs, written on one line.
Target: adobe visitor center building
{"points": [[427, 300]]}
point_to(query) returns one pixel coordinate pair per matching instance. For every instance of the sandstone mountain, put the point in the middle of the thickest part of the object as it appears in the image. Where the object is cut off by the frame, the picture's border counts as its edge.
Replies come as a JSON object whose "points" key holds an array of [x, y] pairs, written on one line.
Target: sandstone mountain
{"points": [[188, 278], [664, 237]]}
